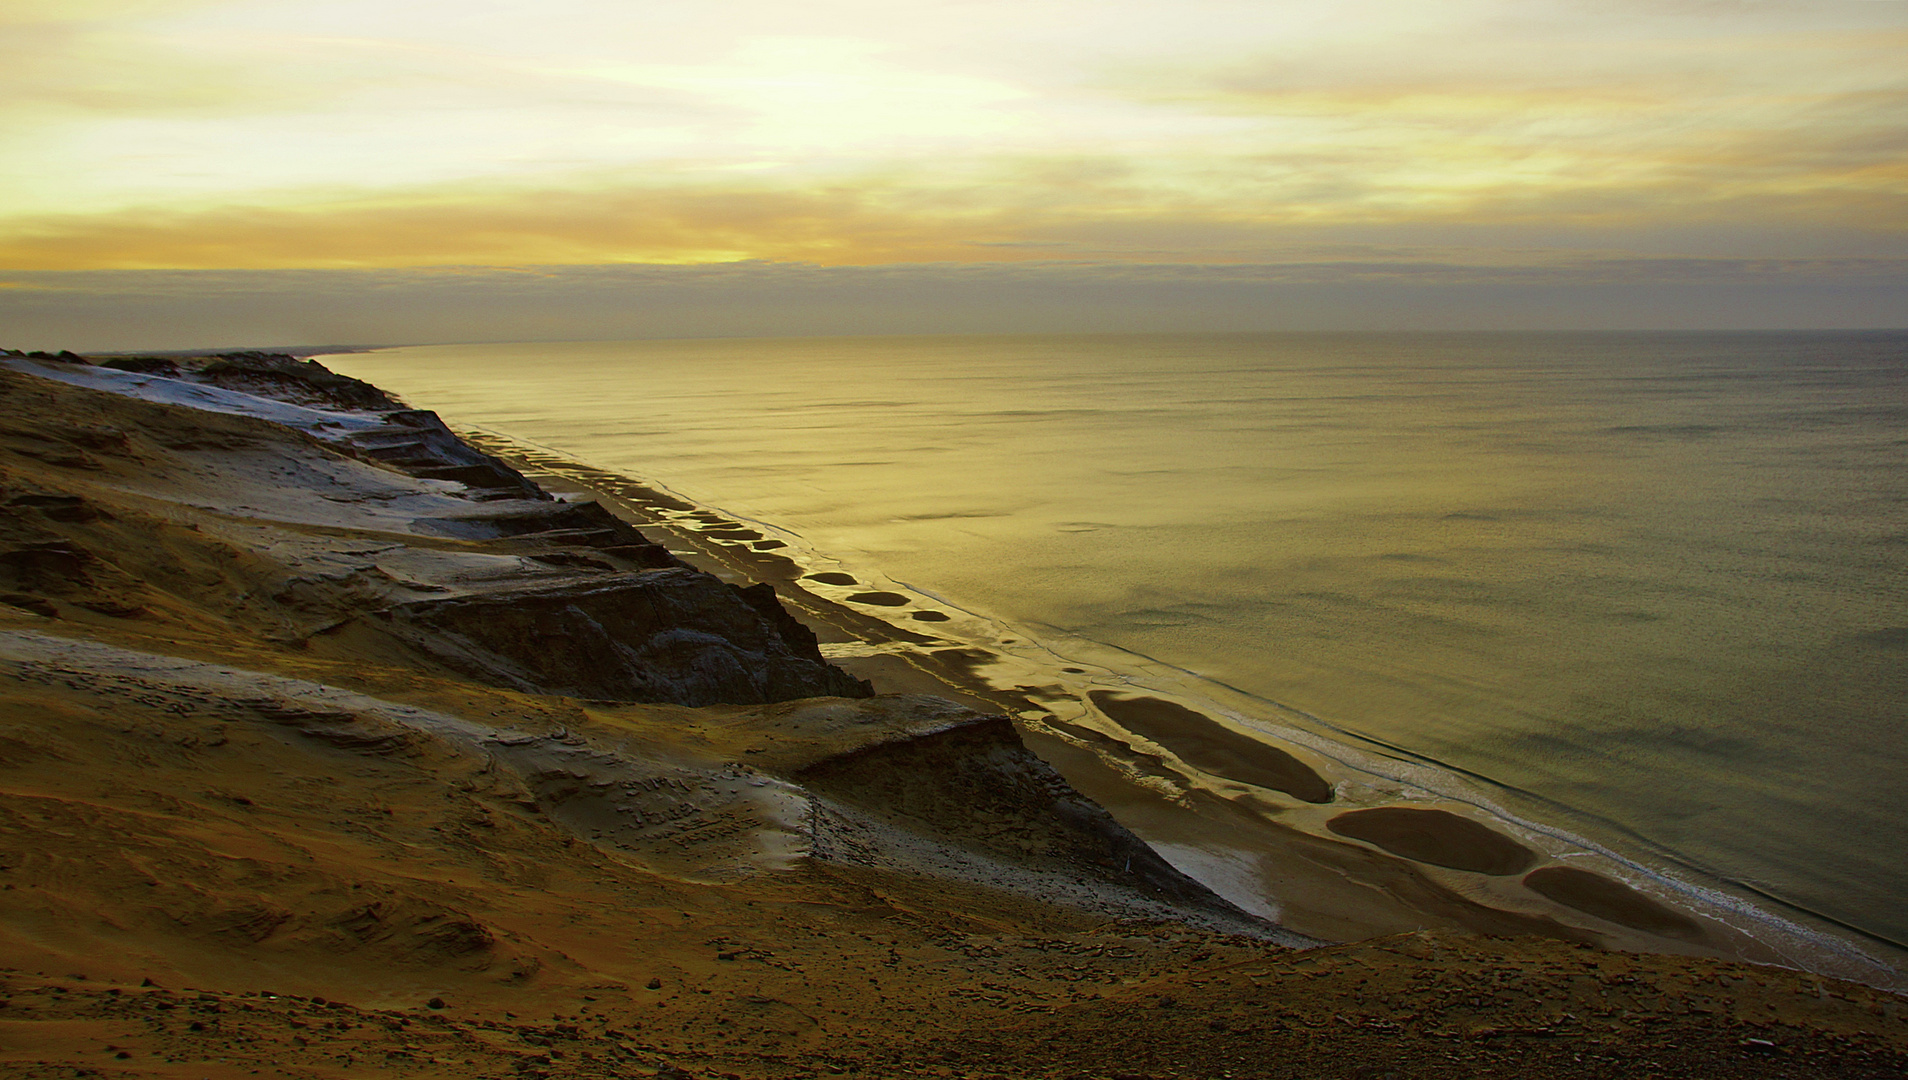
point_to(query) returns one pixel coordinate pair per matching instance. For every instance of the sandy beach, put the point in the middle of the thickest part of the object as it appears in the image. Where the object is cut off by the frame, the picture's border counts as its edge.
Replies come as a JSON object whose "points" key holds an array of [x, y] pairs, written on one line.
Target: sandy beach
{"points": [[1229, 807], [1584, 642], [291, 784]]}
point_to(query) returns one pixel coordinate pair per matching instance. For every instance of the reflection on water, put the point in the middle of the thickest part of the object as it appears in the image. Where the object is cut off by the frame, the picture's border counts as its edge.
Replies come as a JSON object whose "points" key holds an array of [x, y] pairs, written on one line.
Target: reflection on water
{"points": [[1655, 578]]}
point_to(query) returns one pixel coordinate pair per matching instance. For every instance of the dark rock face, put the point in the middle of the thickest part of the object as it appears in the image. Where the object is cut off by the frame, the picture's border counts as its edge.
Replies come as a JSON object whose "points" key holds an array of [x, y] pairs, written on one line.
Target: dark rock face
{"points": [[52, 566], [594, 610], [550, 524], [975, 785], [674, 635], [144, 365], [416, 441], [287, 378]]}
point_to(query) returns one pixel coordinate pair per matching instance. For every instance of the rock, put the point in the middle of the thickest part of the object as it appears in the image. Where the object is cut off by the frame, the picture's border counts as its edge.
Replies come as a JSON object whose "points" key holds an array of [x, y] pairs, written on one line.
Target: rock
{"points": [[972, 784], [675, 636], [288, 378], [143, 365], [418, 442]]}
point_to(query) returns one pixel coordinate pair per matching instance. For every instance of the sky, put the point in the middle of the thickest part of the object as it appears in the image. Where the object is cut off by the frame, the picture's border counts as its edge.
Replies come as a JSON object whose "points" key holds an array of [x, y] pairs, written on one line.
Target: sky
{"points": [[613, 167]]}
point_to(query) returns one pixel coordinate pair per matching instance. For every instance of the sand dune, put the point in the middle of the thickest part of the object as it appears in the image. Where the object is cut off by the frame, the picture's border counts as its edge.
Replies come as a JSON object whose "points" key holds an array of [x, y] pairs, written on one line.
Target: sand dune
{"points": [[331, 747]]}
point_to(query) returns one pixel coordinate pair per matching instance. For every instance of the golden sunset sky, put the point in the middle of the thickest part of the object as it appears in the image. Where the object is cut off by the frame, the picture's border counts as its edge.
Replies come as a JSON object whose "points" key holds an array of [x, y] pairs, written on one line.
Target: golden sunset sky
{"points": [[371, 134]]}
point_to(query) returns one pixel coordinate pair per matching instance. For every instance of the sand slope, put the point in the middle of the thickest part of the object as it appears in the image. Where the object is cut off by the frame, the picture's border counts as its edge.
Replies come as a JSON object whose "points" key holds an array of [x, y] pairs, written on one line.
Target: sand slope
{"points": [[284, 791]]}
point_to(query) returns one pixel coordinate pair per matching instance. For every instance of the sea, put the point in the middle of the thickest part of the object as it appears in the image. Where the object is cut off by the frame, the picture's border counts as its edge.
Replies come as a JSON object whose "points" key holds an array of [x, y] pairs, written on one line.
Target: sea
{"points": [[1645, 590]]}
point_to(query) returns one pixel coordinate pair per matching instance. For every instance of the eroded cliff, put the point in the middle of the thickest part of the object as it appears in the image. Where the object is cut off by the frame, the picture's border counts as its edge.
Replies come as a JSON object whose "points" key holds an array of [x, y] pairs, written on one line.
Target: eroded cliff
{"points": [[387, 755]]}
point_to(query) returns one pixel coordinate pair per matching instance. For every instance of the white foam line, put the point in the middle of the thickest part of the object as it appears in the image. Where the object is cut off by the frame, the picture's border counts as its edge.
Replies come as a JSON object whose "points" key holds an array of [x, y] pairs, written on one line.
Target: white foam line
{"points": [[1781, 935]]}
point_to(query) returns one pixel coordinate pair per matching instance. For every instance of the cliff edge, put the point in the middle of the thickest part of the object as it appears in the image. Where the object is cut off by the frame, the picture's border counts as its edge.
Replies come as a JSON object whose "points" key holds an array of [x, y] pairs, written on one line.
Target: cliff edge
{"points": [[332, 746]]}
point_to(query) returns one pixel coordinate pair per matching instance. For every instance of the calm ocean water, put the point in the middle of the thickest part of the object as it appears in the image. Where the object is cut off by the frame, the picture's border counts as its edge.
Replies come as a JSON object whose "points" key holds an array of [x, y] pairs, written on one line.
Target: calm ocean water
{"points": [[1650, 587]]}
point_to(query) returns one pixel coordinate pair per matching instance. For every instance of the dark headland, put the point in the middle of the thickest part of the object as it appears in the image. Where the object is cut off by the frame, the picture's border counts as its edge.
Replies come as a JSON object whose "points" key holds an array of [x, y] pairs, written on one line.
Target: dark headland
{"points": [[334, 746]]}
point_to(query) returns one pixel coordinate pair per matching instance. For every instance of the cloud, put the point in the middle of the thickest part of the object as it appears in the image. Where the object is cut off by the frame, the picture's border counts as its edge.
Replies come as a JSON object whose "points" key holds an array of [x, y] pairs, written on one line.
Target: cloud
{"points": [[1550, 106], [67, 59], [54, 70], [1840, 190], [354, 133], [44, 12], [554, 226]]}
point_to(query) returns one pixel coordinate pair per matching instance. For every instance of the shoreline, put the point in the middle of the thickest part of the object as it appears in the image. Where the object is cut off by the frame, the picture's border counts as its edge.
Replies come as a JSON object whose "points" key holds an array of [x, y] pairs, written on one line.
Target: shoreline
{"points": [[334, 746], [1181, 769]]}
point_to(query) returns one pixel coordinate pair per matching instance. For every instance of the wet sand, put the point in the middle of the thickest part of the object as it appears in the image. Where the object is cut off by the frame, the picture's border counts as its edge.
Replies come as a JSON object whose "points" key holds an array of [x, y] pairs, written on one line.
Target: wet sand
{"points": [[1320, 886], [1363, 873], [229, 854], [1206, 745], [1438, 837], [1610, 900]]}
